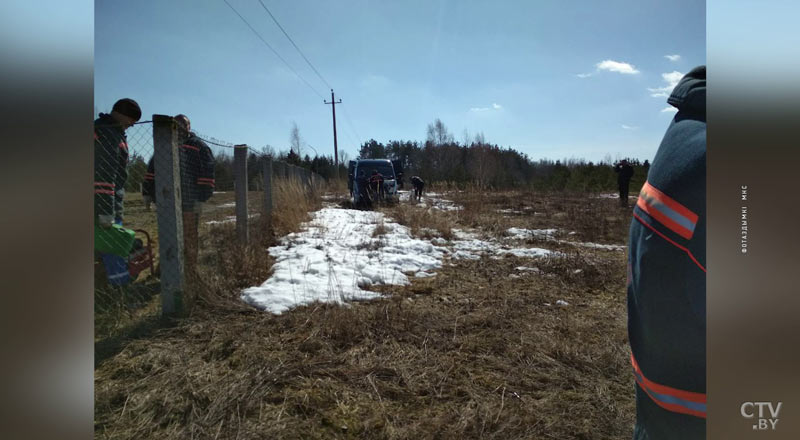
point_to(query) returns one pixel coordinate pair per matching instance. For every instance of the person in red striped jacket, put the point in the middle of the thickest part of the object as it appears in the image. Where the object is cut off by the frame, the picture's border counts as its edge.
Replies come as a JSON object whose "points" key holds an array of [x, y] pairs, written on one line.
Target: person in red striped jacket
{"points": [[111, 160], [667, 276], [112, 242], [197, 185]]}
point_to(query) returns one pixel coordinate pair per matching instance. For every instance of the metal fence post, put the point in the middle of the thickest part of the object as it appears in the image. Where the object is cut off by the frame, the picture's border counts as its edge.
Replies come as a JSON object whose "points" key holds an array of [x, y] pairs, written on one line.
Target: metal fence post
{"points": [[240, 183], [168, 208], [307, 180], [267, 172]]}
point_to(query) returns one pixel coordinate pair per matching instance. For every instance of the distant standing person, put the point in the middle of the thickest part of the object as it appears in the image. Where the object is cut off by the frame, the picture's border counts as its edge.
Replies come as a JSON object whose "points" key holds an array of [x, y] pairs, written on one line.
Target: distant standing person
{"points": [[624, 173], [197, 186], [376, 184], [148, 186], [418, 185], [667, 276]]}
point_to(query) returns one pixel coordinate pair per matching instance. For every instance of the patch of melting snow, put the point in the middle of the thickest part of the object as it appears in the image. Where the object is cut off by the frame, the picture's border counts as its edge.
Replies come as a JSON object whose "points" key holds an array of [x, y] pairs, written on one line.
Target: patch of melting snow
{"points": [[613, 196], [520, 234], [524, 271], [335, 258], [527, 269], [228, 219], [611, 247], [468, 245], [561, 302]]}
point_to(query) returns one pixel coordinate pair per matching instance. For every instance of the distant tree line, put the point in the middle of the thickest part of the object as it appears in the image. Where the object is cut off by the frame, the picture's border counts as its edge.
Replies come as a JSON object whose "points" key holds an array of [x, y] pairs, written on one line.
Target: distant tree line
{"points": [[474, 161], [440, 158]]}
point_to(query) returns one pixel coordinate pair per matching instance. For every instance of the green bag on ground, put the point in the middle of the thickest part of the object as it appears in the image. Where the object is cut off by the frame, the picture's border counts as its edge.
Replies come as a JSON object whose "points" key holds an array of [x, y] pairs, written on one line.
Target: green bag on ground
{"points": [[115, 240]]}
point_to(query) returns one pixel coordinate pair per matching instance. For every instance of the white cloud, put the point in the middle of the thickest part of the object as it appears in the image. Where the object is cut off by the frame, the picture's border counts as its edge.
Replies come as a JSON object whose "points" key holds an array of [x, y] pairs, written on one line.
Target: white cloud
{"points": [[669, 109], [672, 57], [629, 127], [495, 106], [672, 79], [616, 66], [584, 75]]}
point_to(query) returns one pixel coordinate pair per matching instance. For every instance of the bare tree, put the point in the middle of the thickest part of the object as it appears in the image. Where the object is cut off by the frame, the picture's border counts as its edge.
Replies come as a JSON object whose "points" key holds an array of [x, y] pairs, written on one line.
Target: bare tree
{"points": [[295, 142], [484, 164], [344, 158], [438, 134], [466, 137], [480, 139]]}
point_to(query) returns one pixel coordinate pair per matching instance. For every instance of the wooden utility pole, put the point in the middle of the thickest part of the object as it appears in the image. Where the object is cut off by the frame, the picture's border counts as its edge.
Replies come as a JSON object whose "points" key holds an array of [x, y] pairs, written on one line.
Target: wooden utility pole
{"points": [[240, 188], [335, 145]]}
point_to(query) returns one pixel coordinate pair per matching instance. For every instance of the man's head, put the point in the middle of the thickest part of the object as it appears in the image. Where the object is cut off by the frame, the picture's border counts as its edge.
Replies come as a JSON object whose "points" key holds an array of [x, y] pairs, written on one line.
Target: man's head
{"points": [[126, 112], [183, 123]]}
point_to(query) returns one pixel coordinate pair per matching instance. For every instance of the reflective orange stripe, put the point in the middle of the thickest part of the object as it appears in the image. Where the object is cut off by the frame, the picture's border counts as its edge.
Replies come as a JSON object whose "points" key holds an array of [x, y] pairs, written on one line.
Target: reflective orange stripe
{"points": [[191, 147], [104, 191], [111, 185], [671, 399], [667, 211]]}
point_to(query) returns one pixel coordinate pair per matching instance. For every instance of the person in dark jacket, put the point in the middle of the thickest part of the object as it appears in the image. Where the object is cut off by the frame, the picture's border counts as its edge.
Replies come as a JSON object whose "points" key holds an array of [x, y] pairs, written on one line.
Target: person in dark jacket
{"points": [[418, 185], [197, 185], [148, 185], [624, 173], [112, 242], [667, 276], [376, 185], [111, 160]]}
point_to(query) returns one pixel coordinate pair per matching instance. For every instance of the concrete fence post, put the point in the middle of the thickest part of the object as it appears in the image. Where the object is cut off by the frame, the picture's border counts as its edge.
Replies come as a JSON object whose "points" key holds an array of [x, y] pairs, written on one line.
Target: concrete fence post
{"points": [[267, 173], [169, 214], [240, 184]]}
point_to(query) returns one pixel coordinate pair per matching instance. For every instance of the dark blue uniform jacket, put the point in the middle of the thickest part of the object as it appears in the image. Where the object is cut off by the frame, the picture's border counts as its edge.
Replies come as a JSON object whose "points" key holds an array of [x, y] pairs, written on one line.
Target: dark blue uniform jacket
{"points": [[667, 276]]}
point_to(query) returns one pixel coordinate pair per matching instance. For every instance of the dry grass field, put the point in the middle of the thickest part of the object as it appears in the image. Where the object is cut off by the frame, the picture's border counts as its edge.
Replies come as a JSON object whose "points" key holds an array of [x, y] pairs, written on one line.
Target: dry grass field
{"points": [[476, 351]]}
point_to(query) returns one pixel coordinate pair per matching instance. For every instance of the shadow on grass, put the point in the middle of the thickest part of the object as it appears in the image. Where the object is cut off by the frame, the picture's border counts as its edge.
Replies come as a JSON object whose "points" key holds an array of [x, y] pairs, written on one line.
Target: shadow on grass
{"points": [[123, 314]]}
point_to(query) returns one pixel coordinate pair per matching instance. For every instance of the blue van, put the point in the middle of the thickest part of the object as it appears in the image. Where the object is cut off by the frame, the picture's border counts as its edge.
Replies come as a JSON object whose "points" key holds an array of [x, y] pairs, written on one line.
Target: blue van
{"points": [[358, 175]]}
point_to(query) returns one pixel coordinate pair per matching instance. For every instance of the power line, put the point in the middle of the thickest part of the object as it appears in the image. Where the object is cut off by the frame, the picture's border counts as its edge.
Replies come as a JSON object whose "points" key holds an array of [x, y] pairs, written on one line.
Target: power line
{"points": [[273, 50], [295, 45], [347, 118], [352, 127]]}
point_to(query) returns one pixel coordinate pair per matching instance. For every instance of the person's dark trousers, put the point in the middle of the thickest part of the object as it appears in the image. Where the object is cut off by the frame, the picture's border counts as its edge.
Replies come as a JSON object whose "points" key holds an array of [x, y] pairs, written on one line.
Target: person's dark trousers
{"points": [[623, 194], [190, 243]]}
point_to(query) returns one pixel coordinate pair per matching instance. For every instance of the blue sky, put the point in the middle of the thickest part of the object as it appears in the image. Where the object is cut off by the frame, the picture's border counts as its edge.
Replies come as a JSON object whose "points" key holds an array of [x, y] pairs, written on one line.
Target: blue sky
{"points": [[552, 79]]}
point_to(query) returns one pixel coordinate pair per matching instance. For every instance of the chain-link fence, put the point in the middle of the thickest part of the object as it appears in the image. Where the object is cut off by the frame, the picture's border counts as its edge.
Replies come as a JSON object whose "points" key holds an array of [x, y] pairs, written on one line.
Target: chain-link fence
{"points": [[162, 188]]}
